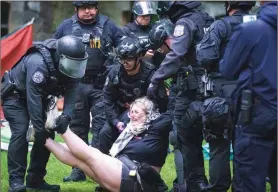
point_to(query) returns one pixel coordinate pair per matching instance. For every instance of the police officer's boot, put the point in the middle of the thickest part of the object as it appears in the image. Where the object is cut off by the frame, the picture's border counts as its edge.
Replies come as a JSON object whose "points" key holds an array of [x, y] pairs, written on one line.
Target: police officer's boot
{"points": [[76, 175], [179, 187], [197, 183], [36, 182], [202, 180], [17, 187]]}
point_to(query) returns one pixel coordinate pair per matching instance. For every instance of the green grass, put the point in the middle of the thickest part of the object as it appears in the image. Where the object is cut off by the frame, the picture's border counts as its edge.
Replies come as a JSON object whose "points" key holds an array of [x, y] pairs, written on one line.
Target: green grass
{"points": [[56, 171]]}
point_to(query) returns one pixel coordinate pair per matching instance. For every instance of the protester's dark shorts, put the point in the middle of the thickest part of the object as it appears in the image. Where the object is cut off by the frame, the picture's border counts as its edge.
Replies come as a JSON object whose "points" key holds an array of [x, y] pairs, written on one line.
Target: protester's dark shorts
{"points": [[128, 182]]}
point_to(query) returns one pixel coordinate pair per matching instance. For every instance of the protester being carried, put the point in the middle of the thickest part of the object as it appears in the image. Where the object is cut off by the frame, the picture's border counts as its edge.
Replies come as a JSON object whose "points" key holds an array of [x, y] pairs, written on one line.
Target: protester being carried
{"points": [[136, 160]]}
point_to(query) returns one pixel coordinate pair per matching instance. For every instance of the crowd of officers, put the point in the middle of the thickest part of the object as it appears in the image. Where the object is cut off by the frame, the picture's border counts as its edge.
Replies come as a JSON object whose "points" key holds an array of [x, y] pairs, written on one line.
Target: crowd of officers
{"points": [[223, 90]]}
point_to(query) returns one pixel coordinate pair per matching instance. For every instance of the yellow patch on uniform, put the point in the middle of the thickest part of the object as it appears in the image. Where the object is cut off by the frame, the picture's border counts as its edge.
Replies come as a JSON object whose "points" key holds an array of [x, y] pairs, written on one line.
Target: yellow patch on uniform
{"points": [[179, 30]]}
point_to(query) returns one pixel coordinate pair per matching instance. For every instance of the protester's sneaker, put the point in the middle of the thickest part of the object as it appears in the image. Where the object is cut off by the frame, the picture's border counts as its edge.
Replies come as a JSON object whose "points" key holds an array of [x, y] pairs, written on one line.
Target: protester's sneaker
{"points": [[43, 186], [76, 175], [17, 187]]}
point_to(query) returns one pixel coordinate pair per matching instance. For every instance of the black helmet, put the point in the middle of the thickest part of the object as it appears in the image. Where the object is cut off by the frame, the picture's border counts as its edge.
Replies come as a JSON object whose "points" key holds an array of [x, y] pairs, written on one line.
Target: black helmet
{"points": [[73, 57], [128, 48], [235, 4], [85, 3], [163, 7], [143, 8], [161, 30]]}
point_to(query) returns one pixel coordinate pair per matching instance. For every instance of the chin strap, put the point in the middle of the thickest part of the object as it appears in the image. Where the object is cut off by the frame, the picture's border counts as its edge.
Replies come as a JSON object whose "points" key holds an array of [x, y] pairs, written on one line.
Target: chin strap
{"points": [[86, 22]]}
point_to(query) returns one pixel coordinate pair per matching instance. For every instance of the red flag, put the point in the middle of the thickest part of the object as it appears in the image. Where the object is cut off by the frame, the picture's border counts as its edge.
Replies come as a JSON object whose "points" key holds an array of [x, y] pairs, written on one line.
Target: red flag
{"points": [[14, 46]]}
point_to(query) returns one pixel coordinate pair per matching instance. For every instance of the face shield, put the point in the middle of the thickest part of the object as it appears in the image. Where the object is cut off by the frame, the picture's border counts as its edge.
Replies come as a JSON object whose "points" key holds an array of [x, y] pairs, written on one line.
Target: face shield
{"points": [[73, 67], [144, 8]]}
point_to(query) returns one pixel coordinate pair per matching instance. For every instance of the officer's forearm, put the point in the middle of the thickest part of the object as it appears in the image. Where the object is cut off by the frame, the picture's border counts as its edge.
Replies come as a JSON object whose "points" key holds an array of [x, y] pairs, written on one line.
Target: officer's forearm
{"points": [[167, 69], [69, 101]]}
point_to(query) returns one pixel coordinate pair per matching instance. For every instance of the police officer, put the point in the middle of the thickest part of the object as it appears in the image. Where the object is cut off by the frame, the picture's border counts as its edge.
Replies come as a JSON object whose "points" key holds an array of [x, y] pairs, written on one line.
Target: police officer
{"points": [[125, 82], [140, 27], [209, 52], [143, 11], [52, 67], [190, 24], [251, 58], [99, 34]]}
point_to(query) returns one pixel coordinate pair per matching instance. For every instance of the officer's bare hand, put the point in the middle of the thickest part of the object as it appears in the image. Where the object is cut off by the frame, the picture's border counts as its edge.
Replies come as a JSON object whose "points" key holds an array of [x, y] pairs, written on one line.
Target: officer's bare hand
{"points": [[120, 126], [149, 54]]}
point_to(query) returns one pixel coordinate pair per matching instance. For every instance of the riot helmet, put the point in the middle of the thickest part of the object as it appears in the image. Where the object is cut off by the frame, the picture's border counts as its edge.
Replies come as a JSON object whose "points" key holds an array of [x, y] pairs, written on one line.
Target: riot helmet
{"points": [[243, 5], [128, 48], [141, 8], [85, 3], [72, 56], [163, 7], [161, 30]]}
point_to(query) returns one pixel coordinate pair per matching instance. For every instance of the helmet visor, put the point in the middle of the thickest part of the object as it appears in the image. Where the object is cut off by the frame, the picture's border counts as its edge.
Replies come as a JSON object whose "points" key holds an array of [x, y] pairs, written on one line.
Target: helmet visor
{"points": [[144, 8], [73, 67]]}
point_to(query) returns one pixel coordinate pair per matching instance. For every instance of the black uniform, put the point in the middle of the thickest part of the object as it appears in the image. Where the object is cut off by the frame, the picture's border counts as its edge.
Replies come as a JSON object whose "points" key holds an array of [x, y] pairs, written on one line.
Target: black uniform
{"points": [[190, 25], [99, 37], [251, 58], [134, 30], [209, 52], [121, 90], [35, 77]]}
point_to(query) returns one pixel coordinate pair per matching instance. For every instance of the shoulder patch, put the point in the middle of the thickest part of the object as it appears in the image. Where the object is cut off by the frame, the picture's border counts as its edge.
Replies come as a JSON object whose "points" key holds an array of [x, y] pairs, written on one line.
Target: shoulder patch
{"points": [[248, 18], [38, 77], [179, 30]]}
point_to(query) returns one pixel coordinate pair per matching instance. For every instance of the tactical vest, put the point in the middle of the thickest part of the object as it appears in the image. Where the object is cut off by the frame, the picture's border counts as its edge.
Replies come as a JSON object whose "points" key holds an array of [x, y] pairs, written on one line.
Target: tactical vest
{"points": [[134, 31], [129, 92], [94, 40], [201, 21]]}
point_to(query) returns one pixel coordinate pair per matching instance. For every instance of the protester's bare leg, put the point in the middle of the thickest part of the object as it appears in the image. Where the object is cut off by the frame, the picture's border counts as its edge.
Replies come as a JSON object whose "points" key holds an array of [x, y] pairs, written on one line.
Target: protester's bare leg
{"points": [[108, 169], [62, 153]]}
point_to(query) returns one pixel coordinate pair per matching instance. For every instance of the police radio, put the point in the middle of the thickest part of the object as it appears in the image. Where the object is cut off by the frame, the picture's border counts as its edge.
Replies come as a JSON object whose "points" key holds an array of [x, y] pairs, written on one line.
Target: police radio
{"points": [[246, 104]]}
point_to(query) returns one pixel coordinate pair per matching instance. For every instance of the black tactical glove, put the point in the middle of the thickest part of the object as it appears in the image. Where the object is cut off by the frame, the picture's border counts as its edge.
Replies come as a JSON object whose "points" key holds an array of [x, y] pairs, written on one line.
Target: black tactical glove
{"points": [[40, 137], [152, 91], [62, 123]]}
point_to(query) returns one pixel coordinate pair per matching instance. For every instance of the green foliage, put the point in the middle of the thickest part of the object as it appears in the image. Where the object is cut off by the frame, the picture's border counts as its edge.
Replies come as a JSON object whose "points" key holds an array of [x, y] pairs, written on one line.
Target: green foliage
{"points": [[62, 10], [168, 83]]}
